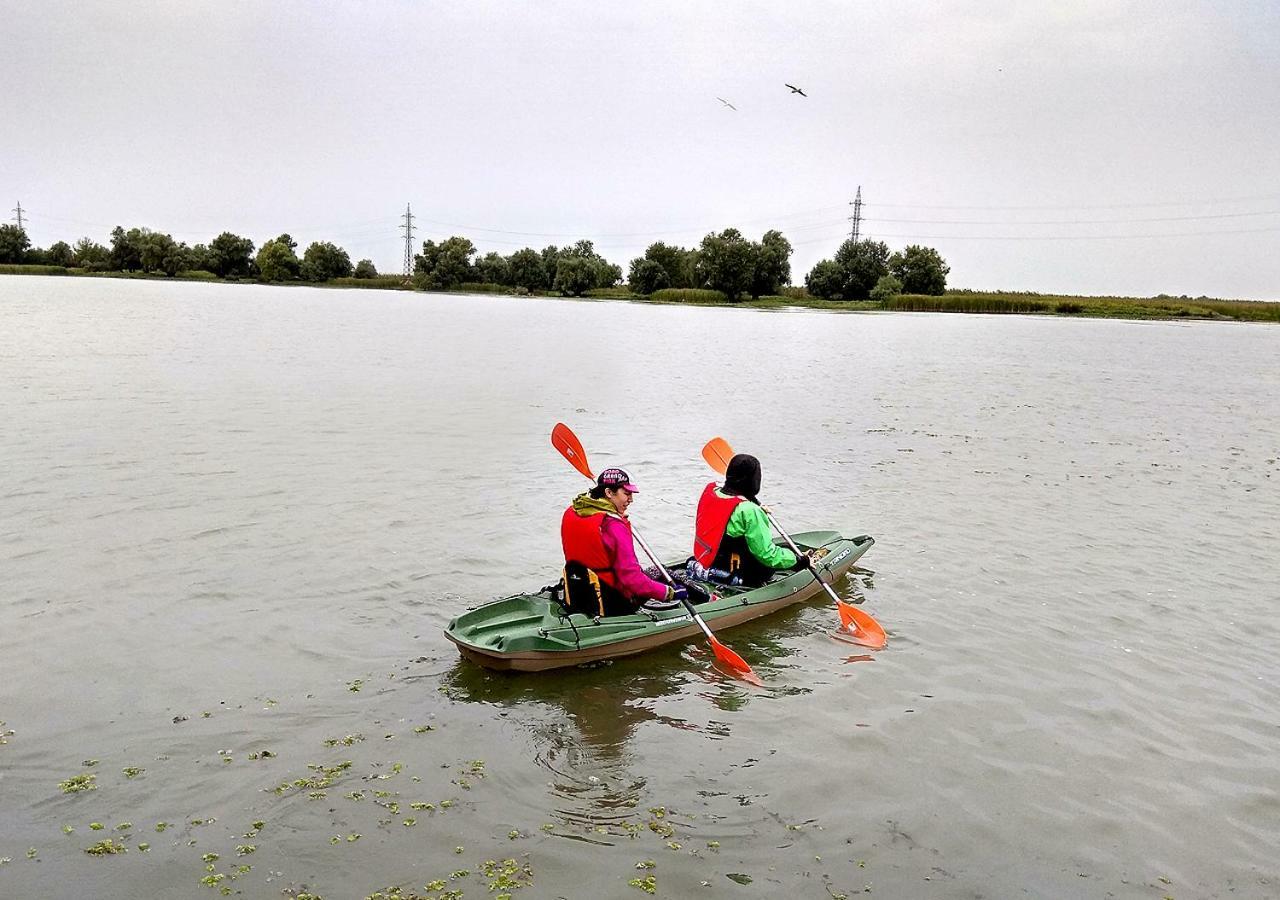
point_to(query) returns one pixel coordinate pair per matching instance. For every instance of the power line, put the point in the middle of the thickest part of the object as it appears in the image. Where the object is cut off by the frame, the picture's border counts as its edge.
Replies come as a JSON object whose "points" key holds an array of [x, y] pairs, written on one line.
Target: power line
{"points": [[1207, 202], [1272, 212], [18, 210], [1058, 237]]}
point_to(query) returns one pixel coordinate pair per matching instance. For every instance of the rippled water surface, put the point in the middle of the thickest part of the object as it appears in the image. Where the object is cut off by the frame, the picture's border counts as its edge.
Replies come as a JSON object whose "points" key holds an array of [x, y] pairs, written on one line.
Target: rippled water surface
{"points": [[234, 520]]}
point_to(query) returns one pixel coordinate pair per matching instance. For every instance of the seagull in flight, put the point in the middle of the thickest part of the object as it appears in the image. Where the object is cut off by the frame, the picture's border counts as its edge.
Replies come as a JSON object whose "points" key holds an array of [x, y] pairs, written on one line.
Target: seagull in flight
{"points": [[796, 90], [727, 103]]}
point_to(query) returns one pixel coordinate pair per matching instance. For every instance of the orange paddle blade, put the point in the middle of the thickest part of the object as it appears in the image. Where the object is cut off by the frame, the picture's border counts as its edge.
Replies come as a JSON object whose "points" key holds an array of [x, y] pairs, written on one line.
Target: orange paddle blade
{"points": [[717, 453], [564, 440], [733, 664], [859, 627]]}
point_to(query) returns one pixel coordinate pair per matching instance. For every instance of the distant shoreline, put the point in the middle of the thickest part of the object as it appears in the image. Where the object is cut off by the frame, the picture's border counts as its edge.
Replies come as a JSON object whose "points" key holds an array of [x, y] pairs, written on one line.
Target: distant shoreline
{"points": [[953, 301]]}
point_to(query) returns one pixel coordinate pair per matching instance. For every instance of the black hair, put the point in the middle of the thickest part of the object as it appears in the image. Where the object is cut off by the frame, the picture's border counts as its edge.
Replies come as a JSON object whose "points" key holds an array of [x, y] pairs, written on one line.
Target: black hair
{"points": [[742, 477]]}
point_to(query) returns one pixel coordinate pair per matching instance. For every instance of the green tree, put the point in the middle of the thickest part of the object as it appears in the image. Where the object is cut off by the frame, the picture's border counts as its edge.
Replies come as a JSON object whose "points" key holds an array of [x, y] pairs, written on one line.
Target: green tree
{"points": [[324, 261], [886, 288], [13, 243], [89, 254], [230, 256], [863, 263], [647, 276], [277, 260], [550, 257], [126, 249], [366, 269], [772, 264], [445, 265], [825, 281], [493, 269], [575, 275], [198, 258], [726, 263], [679, 264], [60, 254], [526, 269], [157, 252], [922, 270]]}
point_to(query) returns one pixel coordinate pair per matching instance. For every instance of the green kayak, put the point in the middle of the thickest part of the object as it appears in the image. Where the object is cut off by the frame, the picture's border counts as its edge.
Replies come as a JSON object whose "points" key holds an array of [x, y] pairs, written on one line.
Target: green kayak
{"points": [[531, 632]]}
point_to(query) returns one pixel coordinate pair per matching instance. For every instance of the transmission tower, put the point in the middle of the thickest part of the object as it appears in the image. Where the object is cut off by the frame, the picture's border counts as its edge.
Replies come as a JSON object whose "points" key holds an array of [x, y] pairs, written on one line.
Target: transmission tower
{"points": [[18, 210], [407, 228], [856, 218]]}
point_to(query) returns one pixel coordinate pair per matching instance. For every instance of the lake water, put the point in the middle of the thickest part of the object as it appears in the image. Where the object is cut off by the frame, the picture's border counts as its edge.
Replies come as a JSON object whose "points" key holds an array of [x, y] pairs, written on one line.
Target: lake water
{"points": [[234, 519]]}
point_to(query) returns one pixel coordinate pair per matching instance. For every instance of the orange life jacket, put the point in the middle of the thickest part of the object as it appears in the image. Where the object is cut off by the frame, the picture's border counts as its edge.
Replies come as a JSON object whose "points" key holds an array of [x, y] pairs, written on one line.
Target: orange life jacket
{"points": [[713, 518]]}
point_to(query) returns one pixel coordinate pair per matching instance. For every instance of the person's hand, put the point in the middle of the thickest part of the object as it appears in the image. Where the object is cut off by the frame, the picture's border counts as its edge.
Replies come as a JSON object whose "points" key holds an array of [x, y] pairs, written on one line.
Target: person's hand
{"points": [[697, 595], [803, 561], [678, 594]]}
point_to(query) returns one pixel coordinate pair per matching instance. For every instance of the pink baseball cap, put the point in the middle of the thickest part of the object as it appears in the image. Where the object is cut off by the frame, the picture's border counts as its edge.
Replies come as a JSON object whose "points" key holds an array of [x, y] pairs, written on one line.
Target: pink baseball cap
{"points": [[616, 478]]}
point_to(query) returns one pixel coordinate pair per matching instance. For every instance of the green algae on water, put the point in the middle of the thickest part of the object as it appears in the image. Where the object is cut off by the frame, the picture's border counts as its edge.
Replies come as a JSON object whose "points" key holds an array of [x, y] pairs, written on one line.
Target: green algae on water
{"points": [[77, 783], [106, 847]]}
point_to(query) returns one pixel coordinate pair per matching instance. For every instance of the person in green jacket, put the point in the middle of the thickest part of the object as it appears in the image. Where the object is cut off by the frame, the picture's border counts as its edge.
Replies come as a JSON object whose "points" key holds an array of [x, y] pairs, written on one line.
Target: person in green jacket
{"points": [[732, 536]]}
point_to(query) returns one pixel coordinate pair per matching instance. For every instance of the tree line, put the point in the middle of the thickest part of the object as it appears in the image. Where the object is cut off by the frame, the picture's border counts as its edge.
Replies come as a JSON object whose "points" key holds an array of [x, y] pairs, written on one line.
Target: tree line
{"points": [[725, 261], [226, 256]]}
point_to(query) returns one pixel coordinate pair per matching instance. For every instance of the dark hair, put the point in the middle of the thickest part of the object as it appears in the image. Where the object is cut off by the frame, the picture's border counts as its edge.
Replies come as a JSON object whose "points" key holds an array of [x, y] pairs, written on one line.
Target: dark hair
{"points": [[597, 492], [742, 477]]}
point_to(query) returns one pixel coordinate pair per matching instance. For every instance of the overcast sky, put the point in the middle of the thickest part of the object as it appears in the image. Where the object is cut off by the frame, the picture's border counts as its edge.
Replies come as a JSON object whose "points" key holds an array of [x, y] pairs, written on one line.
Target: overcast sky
{"points": [[1091, 146]]}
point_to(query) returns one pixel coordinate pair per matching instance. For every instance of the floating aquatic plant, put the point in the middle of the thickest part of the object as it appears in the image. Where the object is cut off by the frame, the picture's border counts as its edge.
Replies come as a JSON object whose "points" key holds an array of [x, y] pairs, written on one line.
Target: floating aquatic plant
{"points": [[346, 741], [107, 847], [355, 685], [161, 826], [144, 846], [96, 826], [77, 783], [648, 884], [132, 771]]}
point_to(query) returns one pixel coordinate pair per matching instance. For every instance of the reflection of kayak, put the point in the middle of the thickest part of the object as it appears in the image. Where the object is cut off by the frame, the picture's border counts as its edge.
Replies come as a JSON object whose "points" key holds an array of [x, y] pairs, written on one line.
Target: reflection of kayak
{"points": [[530, 632]]}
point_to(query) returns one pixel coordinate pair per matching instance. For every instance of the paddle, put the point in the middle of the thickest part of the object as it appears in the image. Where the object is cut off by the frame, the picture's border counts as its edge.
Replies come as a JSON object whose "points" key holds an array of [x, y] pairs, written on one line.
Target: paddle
{"points": [[567, 443], [860, 626]]}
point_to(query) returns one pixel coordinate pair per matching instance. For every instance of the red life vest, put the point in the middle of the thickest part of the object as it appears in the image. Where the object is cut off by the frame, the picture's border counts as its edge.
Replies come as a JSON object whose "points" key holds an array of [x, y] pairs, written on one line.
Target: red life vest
{"points": [[583, 540], [713, 518]]}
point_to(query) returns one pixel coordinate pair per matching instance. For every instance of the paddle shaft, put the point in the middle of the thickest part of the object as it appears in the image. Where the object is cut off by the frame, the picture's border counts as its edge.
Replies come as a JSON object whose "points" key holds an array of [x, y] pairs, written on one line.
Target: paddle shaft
{"points": [[796, 550], [671, 581]]}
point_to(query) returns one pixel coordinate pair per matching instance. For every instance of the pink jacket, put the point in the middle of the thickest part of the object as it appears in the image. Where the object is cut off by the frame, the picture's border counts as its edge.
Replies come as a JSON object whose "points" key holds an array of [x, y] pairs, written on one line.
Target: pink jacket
{"points": [[631, 578]]}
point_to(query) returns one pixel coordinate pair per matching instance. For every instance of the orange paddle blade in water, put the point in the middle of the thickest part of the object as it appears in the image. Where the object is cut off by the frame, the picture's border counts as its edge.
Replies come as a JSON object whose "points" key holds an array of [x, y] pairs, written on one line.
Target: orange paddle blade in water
{"points": [[564, 440], [859, 627], [733, 664], [717, 453]]}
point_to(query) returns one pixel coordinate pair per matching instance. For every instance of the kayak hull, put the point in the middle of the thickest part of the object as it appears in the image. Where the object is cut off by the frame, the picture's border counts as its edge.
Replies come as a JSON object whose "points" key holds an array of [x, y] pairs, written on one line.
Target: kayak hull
{"points": [[531, 633]]}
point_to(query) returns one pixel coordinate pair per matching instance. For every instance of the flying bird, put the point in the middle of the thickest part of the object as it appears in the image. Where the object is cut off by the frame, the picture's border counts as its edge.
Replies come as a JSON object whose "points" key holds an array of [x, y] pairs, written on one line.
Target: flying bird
{"points": [[727, 103], [796, 90]]}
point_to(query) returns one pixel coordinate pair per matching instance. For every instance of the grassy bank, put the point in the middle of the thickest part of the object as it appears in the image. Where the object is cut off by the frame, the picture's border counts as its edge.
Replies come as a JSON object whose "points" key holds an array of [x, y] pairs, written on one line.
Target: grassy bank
{"points": [[954, 301]]}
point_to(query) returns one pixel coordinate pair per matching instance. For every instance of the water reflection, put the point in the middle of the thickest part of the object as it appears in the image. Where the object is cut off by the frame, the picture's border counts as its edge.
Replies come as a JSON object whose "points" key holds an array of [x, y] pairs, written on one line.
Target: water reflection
{"points": [[582, 724]]}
